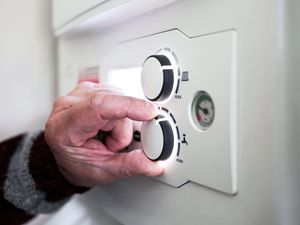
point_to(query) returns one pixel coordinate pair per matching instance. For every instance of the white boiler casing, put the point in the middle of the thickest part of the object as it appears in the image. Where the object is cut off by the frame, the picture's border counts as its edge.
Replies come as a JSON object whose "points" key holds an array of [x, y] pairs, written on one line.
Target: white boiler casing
{"points": [[241, 163]]}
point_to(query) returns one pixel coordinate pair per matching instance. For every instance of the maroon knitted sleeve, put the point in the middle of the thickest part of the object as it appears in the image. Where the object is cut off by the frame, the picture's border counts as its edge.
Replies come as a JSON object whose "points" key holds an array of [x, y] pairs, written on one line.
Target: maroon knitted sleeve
{"points": [[44, 171], [47, 176]]}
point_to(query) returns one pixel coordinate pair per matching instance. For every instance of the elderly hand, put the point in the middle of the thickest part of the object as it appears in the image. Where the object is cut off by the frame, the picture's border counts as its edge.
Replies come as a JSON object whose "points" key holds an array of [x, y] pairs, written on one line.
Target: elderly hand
{"points": [[74, 123]]}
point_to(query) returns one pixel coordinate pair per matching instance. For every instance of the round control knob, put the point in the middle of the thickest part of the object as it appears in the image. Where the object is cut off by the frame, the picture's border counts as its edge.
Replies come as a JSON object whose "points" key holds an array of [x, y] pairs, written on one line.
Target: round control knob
{"points": [[157, 138], [157, 77]]}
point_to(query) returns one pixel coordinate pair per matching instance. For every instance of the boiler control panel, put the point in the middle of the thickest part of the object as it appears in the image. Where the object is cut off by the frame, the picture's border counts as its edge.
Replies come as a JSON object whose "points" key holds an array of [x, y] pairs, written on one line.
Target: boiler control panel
{"points": [[193, 82]]}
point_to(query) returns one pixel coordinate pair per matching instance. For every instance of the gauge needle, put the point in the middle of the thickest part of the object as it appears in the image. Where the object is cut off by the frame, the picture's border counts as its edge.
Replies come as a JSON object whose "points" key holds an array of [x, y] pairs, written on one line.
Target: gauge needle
{"points": [[204, 110]]}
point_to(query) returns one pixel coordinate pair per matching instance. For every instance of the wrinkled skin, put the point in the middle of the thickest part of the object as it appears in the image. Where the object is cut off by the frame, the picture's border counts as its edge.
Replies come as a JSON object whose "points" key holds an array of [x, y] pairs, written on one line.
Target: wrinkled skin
{"points": [[75, 121]]}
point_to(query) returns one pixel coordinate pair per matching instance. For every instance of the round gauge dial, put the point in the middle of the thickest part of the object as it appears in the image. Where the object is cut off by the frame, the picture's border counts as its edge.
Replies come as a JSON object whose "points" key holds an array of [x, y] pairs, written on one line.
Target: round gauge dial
{"points": [[203, 110]]}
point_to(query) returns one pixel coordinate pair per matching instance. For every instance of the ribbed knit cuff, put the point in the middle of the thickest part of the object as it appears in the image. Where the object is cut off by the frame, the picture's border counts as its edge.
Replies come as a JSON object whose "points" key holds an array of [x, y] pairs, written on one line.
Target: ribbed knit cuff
{"points": [[10, 215], [33, 182]]}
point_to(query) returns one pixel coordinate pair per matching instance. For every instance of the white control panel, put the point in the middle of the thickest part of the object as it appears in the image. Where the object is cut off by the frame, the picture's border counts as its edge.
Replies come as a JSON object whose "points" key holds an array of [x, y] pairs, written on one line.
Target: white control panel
{"points": [[192, 80]]}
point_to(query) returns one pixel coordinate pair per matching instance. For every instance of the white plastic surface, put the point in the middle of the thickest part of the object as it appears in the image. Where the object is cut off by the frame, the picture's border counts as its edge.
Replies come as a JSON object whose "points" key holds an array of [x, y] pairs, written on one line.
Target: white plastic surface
{"points": [[65, 11], [267, 41], [208, 158], [71, 15], [152, 78]]}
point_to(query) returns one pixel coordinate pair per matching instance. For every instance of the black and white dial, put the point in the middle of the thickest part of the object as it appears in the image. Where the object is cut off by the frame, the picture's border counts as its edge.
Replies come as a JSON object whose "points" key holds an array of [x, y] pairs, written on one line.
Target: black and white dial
{"points": [[157, 138], [158, 76]]}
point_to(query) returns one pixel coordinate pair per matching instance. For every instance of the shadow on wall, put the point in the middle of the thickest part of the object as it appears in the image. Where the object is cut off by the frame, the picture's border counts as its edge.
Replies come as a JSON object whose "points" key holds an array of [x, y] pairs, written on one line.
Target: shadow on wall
{"points": [[27, 65]]}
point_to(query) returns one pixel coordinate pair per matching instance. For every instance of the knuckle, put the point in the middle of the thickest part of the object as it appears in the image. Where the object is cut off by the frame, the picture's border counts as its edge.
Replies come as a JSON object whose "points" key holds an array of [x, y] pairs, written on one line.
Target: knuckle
{"points": [[53, 123], [60, 102], [95, 105], [95, 100], [86, 85], [50, 128]]}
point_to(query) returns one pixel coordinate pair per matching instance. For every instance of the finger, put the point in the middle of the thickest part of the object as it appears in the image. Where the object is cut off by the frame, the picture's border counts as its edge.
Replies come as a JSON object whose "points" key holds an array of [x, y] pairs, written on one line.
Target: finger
{"points": [[110, 107], [105, 169], [94, 144], [133, 164], [86, 88], [120, 136], [95, 112]]}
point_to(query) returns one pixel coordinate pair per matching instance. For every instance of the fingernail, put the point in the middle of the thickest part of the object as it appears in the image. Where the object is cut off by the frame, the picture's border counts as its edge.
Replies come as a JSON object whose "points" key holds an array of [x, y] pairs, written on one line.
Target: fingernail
{"points": [[154, 108]]}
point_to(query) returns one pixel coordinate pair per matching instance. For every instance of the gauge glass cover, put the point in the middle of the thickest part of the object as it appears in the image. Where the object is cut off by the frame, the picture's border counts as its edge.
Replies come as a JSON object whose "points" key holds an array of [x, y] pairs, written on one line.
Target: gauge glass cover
{"points": [[203, 110]]}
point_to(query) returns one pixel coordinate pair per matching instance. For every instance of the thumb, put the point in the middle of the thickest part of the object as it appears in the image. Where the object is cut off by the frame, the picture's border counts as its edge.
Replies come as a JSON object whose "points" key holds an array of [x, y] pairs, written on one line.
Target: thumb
{"points": [[136, 163]]}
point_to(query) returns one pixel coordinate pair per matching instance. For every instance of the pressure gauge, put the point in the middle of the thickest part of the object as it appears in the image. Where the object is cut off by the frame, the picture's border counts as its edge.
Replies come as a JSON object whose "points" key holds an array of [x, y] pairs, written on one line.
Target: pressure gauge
{"points": [[203, 110]]}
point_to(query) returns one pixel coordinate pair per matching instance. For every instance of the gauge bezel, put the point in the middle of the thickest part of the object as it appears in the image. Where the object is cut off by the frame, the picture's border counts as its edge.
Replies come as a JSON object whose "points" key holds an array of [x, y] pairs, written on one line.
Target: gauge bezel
{"points": [[194, 114]]}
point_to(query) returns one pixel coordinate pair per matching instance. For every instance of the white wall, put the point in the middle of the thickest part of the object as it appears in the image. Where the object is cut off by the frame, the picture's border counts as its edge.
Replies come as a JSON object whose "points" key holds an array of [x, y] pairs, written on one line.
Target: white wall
{"points": [[27, 65]]}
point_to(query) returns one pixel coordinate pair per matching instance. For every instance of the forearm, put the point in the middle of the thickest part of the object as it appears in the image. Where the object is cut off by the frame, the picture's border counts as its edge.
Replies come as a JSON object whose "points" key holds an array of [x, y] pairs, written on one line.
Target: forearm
{"points": [[30, 180]]}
